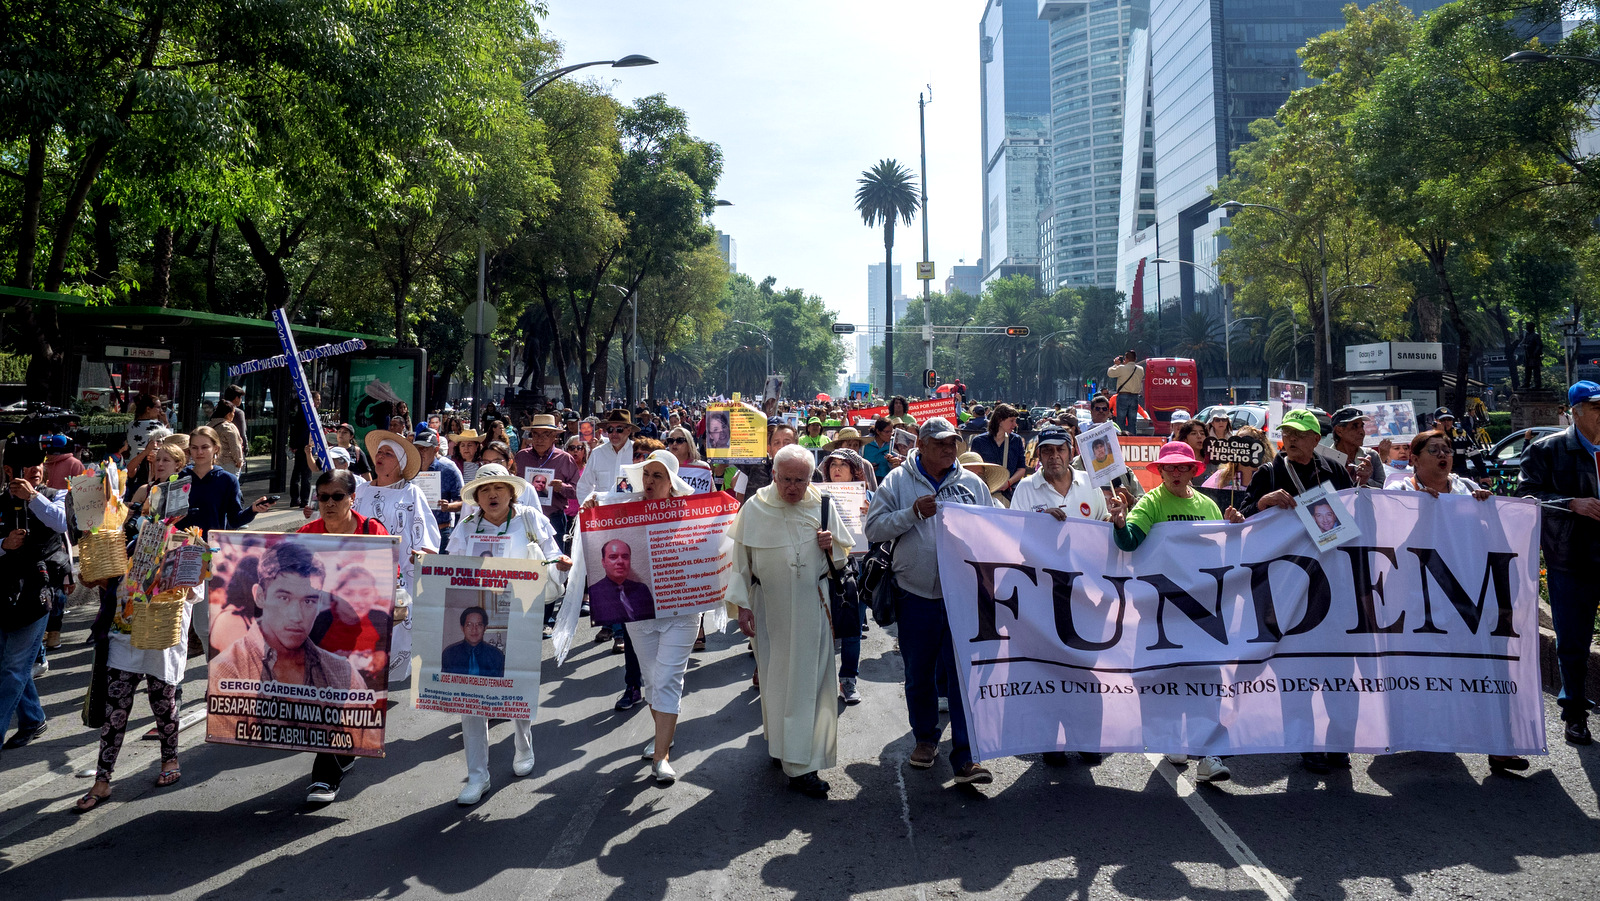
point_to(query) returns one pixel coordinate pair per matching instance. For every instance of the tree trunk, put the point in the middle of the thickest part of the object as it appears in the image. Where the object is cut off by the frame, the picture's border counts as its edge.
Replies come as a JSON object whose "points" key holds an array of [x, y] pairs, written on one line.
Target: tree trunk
{"points": [[271, 264], [161, 267], [32, 201], [105, 243], [1436, 252], [211, 268], [888, 306]]}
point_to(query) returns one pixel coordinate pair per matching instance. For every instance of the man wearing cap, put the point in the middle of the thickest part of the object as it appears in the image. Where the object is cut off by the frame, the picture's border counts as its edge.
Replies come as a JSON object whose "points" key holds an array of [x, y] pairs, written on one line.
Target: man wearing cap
{"points": [[1467, 461], [540, 452], [1349, 431], [426, 441], [1296, 470], [1053, 489], [601, 472], [902, 511], [1560, 470]]}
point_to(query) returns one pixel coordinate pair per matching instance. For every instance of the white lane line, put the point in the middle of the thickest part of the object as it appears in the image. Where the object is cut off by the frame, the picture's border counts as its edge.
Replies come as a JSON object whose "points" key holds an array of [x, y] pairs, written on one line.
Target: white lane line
{"points": [[1230, 840], [194, 716], [547, 877], [905, 817]]}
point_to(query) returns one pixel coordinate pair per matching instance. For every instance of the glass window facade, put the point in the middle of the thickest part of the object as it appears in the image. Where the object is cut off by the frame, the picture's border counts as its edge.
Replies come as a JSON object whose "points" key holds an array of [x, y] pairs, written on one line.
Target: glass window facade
{"points": [[1014, 47]]}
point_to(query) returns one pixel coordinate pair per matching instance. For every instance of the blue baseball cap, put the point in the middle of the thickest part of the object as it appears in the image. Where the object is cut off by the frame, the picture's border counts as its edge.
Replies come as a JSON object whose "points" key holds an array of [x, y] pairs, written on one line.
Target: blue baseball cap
{"points": [[1582, 391]]}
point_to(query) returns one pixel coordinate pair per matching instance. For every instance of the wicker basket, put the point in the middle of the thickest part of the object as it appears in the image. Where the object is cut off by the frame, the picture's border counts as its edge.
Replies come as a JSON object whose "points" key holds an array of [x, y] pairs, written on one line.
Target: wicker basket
{"points": [[102, 555], [158, 622]]}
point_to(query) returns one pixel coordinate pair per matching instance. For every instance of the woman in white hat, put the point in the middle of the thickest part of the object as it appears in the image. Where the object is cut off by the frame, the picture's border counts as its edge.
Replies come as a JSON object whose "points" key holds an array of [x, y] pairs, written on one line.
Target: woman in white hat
{"points": [[464, 447], [502, 528], [392, 499], [663, 642]]}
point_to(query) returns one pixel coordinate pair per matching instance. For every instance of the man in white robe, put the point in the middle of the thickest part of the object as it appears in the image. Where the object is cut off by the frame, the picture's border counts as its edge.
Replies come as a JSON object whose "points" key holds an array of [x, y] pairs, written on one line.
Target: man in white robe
{"points": [[780, 586]]}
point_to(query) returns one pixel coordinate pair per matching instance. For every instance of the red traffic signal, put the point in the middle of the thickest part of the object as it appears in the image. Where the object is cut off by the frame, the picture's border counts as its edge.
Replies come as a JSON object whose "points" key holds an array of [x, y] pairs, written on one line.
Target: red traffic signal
{"points": [[929, 378], [1016, 331]]}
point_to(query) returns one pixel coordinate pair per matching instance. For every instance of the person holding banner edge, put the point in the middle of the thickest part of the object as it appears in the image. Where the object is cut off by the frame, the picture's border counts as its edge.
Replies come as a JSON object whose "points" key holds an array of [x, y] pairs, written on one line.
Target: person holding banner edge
{"points": [[902, 511], [494, 491]]}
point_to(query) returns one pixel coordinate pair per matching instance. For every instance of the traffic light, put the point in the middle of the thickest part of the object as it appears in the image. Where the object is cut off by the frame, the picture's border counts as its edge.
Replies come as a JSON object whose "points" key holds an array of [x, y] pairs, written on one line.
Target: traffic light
{"points": [[1016, 331], [929, 378]]}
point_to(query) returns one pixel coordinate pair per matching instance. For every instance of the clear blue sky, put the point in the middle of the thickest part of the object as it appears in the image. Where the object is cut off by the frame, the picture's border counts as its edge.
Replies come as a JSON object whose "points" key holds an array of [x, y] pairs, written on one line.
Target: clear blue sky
{"points": [[802, 97]]}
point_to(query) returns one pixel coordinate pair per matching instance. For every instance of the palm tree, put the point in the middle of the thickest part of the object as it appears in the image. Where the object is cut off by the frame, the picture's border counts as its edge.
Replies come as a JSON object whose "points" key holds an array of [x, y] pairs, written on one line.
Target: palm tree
{"points": [[886, 194]]}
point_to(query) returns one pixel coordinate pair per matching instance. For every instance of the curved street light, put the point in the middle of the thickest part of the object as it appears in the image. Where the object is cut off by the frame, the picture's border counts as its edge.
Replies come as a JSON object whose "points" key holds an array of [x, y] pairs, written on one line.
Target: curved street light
{"points": [[630, 61], [1534, 56]]}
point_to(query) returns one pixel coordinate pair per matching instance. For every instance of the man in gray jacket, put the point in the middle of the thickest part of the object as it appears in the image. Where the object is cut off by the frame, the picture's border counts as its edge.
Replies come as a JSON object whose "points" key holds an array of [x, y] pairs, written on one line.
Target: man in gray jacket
{"points": [[902, 511]]}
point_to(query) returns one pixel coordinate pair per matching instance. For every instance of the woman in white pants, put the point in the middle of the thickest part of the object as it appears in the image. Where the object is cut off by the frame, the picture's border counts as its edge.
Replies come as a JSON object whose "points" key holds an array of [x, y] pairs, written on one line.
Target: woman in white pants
{"points": [[499, 528], [664, 642]]}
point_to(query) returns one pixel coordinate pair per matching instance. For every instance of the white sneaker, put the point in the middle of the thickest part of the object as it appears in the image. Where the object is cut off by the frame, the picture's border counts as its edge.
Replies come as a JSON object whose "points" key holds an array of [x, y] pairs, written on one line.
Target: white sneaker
{"points": [[649, 750], [664, 773], [1178, 760], [1212, 769], [40, 669], [522, 766], [472, 793]]}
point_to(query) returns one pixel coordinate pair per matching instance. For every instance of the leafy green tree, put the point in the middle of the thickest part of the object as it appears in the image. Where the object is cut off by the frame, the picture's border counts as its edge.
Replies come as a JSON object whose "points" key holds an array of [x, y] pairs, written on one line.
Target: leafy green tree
{"points": [[886, 193]]}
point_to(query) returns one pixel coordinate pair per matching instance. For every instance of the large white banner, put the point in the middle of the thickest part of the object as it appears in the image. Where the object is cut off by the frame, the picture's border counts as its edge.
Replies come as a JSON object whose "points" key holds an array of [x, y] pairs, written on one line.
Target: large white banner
{"points": [[1239, 639]]}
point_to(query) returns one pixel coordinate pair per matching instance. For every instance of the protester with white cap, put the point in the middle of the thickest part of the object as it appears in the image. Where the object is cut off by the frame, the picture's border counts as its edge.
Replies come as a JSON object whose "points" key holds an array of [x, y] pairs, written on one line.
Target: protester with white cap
{"points": [[500, 528]]}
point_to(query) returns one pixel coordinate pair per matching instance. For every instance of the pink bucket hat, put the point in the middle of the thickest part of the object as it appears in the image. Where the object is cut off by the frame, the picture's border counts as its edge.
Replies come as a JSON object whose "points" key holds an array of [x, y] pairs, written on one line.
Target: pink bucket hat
{"points": [[1173, 452]]}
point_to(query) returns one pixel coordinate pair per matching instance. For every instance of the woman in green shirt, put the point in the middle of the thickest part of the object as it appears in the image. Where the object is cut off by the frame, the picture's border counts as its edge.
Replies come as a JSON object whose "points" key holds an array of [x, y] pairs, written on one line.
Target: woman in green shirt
{"points": [[1174, 500], [813, 437]]}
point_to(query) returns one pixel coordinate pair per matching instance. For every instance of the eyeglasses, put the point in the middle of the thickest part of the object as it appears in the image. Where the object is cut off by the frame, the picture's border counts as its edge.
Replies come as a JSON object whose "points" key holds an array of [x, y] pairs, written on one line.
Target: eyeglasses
{"points": [[677, 441], [1443, 450], [638, 457], [790, 481], [1100, 409], [333, 498], [618, 430]]}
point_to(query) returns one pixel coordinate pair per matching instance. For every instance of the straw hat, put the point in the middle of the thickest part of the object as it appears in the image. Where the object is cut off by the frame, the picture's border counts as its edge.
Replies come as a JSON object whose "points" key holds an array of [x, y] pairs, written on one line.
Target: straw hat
{"points": [[544, 421], [410, 458], [634, 472], [493, 474], [993, 476], [848, 433], [465, 435]]}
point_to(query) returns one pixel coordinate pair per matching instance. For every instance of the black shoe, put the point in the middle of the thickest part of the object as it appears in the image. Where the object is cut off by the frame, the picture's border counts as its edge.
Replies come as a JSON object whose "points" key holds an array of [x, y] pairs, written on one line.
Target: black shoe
{"points": [[810, 785], [1092, 758], [1577, 733], [1316, 762], [1339, 760], [24, 735], [1055, 758], [322, 793], [1507, 764], [630, 697]]}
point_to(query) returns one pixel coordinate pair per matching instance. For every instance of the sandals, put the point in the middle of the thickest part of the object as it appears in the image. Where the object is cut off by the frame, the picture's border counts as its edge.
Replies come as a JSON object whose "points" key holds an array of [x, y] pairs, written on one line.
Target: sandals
{"points": [[168, 777], [90, 801]]}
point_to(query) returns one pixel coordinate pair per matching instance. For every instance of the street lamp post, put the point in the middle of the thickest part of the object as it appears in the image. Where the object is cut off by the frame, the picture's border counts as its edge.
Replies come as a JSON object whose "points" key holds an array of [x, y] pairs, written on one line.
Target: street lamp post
{"points": [[1534, 56]]}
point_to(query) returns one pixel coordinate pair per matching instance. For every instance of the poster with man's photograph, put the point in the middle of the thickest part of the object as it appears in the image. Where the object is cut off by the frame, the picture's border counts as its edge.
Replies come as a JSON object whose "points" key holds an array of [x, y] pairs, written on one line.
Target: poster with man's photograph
{"points": [[478, 625], [1395, 420], [1326, 518], [299, 640], [1102, 454], [642, 559], [540, 480]]}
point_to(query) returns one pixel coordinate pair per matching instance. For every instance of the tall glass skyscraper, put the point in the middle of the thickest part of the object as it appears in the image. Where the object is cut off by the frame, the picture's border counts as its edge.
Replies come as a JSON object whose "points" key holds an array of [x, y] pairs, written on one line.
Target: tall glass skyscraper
{"points": [[1014, 92], [1089, 45]]}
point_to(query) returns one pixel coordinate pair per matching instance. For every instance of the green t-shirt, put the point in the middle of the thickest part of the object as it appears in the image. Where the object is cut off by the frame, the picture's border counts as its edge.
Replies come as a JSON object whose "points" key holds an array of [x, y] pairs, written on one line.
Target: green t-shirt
{"points": [[1161, 505]]}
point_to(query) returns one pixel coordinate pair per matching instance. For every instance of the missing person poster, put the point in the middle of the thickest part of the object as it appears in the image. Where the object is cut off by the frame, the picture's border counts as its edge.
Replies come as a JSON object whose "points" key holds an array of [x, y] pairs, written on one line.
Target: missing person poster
{"points": [[644, 559], [1102, 454], [299, 641], [477, 627], [848, 500], [1281, 398], [1395, 420], [699, 477], [735, 433], [1325, 517], [432, 485], [539, 478]]}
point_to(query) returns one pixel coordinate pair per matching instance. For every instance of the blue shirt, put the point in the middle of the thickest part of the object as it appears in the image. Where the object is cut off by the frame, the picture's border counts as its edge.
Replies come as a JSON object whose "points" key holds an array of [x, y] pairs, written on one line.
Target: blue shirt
{"points": [[991, 451], [215, 502], [878, 456], [450, 483]]}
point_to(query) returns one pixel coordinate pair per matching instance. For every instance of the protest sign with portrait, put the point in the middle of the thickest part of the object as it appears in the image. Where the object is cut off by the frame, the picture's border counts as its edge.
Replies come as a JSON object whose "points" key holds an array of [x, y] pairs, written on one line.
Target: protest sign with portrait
{"points": [[1325, 517], [1102, 454], [539, 479], [647, 558], [1395, 420], [478, 624], [299, 640], [848, 499], [735, 433]]}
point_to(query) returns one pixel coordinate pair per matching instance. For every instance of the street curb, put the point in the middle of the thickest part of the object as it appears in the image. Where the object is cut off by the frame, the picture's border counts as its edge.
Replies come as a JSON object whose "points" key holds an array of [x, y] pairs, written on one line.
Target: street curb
{"points": [[1551, 674]]}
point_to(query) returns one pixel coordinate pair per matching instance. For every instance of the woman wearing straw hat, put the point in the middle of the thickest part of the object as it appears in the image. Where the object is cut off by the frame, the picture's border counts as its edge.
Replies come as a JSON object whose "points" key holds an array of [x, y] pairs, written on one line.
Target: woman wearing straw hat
{"points": [[663, 642], [464, 448], [993, 475], [392, 499], [500, 528]]}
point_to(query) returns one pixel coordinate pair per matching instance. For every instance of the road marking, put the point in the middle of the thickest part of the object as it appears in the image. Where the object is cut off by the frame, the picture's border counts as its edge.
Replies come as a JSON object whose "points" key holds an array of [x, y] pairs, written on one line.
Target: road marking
{"points": [[905, 817], [1230, 840], [77, 763], [547, 876]]}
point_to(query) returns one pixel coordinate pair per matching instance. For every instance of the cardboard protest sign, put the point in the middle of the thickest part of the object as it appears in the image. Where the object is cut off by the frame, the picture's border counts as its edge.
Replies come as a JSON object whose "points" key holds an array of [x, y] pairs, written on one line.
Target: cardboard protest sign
{"points": [[88, 500], [1395, 420], [1102, 454], [324, 605], [735, 433], [1235, 449], [847, 500], [699, 477], [644, 559], [478, 624]]}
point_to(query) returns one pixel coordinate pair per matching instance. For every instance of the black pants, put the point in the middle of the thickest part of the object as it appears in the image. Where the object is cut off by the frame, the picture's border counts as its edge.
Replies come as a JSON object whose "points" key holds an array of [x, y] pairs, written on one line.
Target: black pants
{"points": [[330, 768], [299, 479]]}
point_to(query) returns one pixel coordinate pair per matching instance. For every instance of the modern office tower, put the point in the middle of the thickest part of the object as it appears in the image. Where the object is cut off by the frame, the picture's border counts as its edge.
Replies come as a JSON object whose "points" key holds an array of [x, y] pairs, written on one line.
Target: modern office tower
{"points": [[963, 278], [1014, 95], [729, 249], [1215, 67], [1090, 41]]}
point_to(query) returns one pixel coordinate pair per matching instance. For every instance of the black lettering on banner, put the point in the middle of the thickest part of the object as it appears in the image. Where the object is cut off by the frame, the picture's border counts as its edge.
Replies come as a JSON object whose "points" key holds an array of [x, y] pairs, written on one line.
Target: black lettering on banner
{"points": [[1366, 587], [987, 631], [1319, 597], [1061, 600], [1499, 565], [1167, 590]]}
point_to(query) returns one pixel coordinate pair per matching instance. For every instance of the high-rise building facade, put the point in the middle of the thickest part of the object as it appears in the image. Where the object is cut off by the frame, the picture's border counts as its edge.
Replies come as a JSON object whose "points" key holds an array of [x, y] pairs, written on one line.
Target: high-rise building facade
{"points": [[1090, 41], [729, 249], [1014, 95]]}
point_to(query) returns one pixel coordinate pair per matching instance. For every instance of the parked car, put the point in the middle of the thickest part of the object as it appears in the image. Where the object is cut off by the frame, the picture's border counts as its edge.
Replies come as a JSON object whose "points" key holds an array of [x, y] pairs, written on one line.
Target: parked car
{"points": [[1239, 415], [1504, 460]]}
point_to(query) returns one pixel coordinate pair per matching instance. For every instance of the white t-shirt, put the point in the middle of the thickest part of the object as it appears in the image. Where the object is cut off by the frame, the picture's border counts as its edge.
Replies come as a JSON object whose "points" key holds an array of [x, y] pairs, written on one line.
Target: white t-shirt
{"points": [[1082, 500]]}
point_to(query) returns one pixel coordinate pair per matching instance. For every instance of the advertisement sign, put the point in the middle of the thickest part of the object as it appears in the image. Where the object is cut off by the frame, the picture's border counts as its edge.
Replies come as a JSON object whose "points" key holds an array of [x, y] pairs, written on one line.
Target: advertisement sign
{"points": [[376, 386]]}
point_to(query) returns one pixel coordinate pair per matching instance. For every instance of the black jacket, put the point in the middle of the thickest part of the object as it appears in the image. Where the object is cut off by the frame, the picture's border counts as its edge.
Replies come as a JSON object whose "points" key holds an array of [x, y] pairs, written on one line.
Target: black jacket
{"points": [[1556, 469], [1271, 478], [30, 573]]}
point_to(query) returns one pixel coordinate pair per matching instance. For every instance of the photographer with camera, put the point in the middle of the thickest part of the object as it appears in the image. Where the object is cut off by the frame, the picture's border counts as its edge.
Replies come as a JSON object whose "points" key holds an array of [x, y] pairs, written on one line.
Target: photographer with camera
{"points": [[1126, 376]]}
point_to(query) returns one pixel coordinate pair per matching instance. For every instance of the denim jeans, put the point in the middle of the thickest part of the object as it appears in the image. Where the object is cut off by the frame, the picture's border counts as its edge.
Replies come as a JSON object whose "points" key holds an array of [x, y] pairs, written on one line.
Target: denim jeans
{"points": [[929, 654], [850, 647], [19, 648], [1573, 598]]}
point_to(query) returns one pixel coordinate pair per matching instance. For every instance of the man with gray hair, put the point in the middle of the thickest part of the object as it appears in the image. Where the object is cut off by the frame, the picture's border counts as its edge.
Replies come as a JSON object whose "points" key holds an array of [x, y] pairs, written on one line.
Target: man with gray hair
{"points": [[902, 511]]}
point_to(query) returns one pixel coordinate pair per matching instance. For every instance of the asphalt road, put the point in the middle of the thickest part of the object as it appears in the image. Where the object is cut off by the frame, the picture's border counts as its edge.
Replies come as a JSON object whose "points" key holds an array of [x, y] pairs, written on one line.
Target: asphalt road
{"points": [[589, 823]]}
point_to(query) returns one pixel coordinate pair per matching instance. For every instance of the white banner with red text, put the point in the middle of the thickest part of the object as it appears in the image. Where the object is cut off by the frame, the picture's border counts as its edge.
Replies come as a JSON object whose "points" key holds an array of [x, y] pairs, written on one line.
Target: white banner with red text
{"points": [[1244, 639]]}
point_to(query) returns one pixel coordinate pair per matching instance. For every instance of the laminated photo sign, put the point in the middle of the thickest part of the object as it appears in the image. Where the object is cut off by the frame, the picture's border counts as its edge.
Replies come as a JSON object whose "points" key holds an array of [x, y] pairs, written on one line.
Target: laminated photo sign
{"points": [[1325, 517], [735, 433], [1101, 453]]}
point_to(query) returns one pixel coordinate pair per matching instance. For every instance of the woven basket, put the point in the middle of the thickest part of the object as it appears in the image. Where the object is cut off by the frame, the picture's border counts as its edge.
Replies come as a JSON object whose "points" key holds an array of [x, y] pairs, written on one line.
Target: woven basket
{"points": [[103, 555], [158, 622]]}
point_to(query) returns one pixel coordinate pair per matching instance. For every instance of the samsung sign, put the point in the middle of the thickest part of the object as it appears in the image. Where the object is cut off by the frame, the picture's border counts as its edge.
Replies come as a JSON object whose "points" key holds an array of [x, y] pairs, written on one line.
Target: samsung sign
{"points": [[1390, 355]]}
